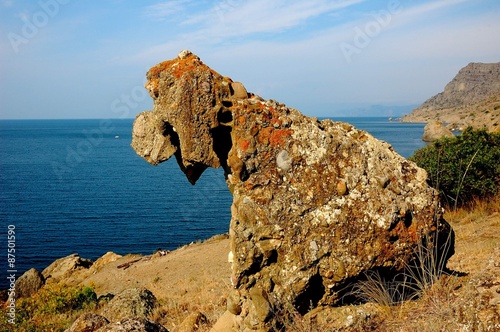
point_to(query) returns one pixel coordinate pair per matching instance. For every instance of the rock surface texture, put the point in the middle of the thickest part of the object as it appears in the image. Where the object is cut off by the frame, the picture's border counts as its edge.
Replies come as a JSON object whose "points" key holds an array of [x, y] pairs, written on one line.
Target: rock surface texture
{"points": [[131, 303], [88, 322], [29, 283], [64, 267], [315, 203], [471, 98]]}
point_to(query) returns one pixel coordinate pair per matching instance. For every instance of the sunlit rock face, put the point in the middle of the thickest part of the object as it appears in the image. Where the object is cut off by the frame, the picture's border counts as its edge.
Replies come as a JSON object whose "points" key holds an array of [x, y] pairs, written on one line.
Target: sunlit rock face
{"points": [[315, 203]]}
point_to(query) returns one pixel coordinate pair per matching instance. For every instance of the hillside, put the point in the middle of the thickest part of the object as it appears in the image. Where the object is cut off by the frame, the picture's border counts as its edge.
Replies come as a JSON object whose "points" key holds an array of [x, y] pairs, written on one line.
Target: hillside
{"points": [[472, 98]]}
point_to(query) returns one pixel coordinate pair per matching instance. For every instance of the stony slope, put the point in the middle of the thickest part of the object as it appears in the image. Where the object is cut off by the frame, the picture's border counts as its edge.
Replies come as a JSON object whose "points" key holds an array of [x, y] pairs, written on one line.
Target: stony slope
{"points": [[472, 98], [195, 279]]}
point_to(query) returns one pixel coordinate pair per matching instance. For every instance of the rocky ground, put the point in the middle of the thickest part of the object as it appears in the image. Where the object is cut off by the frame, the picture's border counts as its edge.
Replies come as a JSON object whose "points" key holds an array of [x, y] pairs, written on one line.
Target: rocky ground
{"points": [[191, 285]]}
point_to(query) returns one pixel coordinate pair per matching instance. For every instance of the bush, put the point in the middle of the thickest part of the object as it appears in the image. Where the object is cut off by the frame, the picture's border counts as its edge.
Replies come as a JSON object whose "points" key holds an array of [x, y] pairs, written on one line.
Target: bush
{"points": [[53, 308], [464, 167]]}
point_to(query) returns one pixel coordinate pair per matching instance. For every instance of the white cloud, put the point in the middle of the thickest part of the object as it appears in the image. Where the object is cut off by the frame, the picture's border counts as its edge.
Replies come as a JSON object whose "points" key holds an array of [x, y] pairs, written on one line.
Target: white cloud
{"points": [[424, 9], [166, 9], [261, 16]]}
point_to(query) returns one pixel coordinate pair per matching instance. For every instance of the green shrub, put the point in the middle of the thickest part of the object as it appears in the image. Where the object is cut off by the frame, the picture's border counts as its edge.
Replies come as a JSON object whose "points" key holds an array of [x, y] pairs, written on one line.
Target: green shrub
{"points": [[53, 308], [464, 167]]}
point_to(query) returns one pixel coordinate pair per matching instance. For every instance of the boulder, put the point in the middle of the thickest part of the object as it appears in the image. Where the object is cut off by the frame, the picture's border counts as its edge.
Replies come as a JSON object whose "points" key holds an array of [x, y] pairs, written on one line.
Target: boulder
{"points": [[103, 261], [227, 322], [192, 322], [136, 325], [64, 267], [88, 322], [315, 203], [131, 303], [29, 283], [435, 130]]}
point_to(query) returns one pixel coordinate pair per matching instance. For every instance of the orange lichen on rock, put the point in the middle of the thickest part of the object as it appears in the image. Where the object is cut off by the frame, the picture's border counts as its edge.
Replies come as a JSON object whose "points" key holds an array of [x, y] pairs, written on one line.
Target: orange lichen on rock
{"points": [[264, 135], [279, 136], [243, 144]]}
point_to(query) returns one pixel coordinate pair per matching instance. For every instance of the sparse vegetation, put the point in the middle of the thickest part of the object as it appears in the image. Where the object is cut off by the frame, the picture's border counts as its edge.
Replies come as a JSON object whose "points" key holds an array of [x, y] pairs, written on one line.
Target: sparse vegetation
{"points": [[53, 308]]}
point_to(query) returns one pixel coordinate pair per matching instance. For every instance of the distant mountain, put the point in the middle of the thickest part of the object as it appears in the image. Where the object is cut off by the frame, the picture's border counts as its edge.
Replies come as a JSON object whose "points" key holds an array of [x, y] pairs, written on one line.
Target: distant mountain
{"points": [[393, 111], [472, 98]]}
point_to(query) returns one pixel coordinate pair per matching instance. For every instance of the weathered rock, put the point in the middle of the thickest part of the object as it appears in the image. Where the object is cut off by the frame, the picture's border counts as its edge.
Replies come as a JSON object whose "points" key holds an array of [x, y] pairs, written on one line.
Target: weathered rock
{"points": [[435, 130], [104, 260], [315, 203], [136, 325], [227, 322], [29, 283], [64, 267], [88, 322], [192, 322], [131, 303]]}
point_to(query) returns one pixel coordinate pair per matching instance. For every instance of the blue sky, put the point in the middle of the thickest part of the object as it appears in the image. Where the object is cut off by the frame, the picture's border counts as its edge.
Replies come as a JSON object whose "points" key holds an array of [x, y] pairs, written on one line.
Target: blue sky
{"points": [[88, 59]]}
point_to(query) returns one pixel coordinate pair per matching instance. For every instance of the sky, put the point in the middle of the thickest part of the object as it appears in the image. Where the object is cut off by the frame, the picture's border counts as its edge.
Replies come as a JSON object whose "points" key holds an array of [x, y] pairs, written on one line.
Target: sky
{"points": [[88, 59]]}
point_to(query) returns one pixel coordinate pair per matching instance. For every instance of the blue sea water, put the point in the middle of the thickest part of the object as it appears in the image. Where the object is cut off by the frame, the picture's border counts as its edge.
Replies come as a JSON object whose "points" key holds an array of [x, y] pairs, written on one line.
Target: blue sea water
{"points": [[76, 186]]}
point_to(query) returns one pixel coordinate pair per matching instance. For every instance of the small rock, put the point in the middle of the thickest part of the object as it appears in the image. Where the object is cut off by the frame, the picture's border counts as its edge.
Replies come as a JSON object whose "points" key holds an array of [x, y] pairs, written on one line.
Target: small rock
{"points": [[29, 283], [184, 54], [261, 309], [341, 188], [104, 260], [63, 267], [87, 323], [131, 303], [233, 303], [136, 325], [227, 322], [283, 160], [192, 322], [435, 130], [239, 91]]}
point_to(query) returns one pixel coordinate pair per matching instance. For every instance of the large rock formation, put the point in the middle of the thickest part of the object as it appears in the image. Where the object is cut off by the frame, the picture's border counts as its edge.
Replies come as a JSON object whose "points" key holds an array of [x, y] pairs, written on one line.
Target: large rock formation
{"points": [[471, 98], [315, 203]]}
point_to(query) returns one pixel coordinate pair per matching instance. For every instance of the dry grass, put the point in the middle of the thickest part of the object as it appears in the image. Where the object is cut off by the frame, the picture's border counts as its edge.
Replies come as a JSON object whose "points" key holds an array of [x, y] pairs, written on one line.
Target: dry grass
{"points": [[476, 211], [209, 299]]}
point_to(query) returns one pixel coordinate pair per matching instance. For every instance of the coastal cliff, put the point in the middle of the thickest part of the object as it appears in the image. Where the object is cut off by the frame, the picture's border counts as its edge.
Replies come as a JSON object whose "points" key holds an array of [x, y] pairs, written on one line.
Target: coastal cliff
{"points": [[471, 98]]}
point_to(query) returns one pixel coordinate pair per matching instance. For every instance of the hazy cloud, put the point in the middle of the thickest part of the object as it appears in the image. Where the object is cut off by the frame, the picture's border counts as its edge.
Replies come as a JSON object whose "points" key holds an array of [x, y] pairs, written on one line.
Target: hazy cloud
{"points": [[166, 9]]}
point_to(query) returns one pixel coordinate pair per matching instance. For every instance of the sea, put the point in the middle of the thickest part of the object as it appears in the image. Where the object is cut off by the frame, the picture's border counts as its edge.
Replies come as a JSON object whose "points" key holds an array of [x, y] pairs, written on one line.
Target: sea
{"points": [[76, 186]]}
